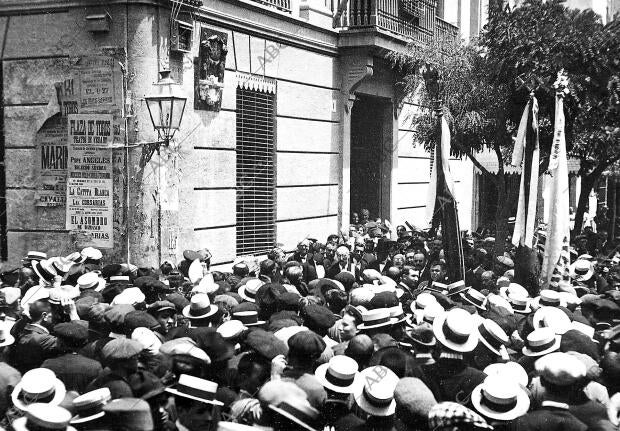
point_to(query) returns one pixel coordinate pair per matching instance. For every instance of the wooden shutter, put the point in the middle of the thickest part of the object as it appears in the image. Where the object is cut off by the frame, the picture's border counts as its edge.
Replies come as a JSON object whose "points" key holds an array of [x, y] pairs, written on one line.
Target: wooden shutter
{"points": [[255, 171]]}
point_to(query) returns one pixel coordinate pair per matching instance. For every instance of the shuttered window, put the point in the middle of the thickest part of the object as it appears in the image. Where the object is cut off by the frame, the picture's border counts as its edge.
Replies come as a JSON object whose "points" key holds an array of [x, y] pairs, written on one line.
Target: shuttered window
{"points": [[255, 171]]}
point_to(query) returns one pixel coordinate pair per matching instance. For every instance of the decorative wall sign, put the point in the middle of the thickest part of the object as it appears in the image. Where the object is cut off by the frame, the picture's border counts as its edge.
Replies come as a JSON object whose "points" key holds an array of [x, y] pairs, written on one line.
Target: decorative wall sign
{"points": [[209, 69]]}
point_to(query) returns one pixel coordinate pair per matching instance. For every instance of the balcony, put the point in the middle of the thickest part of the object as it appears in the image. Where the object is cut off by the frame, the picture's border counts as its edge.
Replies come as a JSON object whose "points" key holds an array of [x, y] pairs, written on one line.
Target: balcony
{"points": [[413, 20], [281, 5]]}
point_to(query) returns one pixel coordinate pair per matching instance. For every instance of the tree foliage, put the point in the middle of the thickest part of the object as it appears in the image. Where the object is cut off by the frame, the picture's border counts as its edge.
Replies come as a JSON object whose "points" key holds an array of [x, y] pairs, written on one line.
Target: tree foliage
{"points": [[536, 40]]}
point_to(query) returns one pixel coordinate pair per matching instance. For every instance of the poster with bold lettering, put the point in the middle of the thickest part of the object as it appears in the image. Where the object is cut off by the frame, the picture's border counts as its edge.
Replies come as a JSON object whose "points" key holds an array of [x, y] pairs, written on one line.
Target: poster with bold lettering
{"points": [[51, 163], [89, 184], [96, 83]]}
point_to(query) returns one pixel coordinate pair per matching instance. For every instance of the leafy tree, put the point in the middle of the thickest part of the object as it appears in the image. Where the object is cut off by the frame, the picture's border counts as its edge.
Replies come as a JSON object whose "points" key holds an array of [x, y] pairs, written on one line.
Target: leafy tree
{"points": [[484, 103]]}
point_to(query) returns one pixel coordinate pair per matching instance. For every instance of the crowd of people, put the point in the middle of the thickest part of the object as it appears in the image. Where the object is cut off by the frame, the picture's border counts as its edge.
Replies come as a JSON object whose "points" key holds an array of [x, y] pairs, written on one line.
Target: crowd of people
{"points": [[360, 332]]}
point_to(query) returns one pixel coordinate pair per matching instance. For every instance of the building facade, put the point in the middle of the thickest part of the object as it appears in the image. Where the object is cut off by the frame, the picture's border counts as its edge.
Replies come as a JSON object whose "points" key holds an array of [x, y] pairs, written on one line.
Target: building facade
{"points": [[293, 121]]}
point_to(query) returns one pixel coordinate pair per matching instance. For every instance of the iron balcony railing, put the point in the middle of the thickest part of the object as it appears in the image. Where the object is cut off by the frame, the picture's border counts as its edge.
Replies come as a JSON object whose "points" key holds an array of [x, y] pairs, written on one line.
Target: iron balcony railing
{"points": [[403, 17]]}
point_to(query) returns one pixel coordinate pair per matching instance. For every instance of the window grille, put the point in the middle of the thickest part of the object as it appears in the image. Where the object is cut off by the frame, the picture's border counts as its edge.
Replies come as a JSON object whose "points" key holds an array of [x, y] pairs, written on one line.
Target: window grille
{"points": [[255, 171]]}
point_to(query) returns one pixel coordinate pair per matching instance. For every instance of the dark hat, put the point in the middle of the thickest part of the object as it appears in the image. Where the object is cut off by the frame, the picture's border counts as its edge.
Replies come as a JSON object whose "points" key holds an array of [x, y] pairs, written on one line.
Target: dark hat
{"points": [[288, 301], [139, 319], [111, 270], [318, 318], [144, 282], [158, 306], [276, 325], [347, 279], [115, 316], [267, 297], [120, 349], [384, 300], [82, 306], [306, 344], [266, 343], [422, 335], [285, 314], [111, 291], [575, 341], [245, 306], [96, 313], [133, 413], [145, 384], [71, 333], [212, 343], [191, 255], [414, 401], [179, 301]]}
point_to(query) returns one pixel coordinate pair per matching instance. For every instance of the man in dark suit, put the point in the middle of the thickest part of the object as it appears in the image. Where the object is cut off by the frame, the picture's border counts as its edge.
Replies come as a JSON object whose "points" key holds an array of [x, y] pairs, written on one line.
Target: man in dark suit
{"points": [[305, 258], [74, 370], [35, 343], [563, 378]]}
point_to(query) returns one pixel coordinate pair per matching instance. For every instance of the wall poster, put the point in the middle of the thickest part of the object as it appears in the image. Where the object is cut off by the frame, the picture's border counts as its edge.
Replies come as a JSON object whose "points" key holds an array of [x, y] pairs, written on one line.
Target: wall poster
{"points": [[90, 179]]}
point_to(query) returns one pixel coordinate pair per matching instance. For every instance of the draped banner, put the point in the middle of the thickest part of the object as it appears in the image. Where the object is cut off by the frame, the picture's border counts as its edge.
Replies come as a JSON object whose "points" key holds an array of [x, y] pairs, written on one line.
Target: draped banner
{"points": [[556, 259], [527, 153], [441, 204]]}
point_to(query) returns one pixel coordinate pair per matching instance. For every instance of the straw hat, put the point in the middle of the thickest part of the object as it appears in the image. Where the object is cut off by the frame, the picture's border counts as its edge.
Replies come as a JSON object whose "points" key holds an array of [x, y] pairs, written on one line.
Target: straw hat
{"points": [[339, 374], [196, 389], [510, 371], [456, 330], [200, 307], [376, 395], [492, 336], [37, 385], [397, 314], [300, 412], [430, 313], [581, 270], [375, 318], [547, 298], [540, 342], [90, 405], [6, 339], [520, 304], [475, 298], [423, 300], [514, 289], [552, 317], [249, 289], [457, 288], [44, 269], [248, 318], [40, 416], [500, 398]]}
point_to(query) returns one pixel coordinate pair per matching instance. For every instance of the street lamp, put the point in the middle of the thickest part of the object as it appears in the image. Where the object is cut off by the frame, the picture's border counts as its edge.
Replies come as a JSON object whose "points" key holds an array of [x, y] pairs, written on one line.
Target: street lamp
{"points": [[166, 107]]}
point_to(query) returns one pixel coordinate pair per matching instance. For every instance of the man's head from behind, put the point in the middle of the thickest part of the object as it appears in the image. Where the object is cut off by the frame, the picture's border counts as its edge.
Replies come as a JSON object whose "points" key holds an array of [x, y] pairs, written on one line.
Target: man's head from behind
{"points": [[41, 313], [361, 349]]}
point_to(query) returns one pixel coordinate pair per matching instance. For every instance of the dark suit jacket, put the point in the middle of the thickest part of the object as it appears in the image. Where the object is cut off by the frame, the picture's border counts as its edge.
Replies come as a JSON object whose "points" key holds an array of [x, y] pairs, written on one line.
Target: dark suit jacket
{"points": [[34, 346], [452, 380], [548, 419], [308, 266], [368, 261], [75, 371]]}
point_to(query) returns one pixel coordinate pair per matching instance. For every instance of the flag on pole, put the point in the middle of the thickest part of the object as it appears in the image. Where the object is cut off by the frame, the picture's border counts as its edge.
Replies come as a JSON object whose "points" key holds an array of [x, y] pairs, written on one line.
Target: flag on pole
{"points": [[527, 154], [441, 204], [556, 259]]}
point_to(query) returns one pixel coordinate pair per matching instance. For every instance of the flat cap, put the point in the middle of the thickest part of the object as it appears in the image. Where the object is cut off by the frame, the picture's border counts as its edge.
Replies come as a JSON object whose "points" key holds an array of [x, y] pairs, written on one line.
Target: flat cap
{"points": [[119, 349]]}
